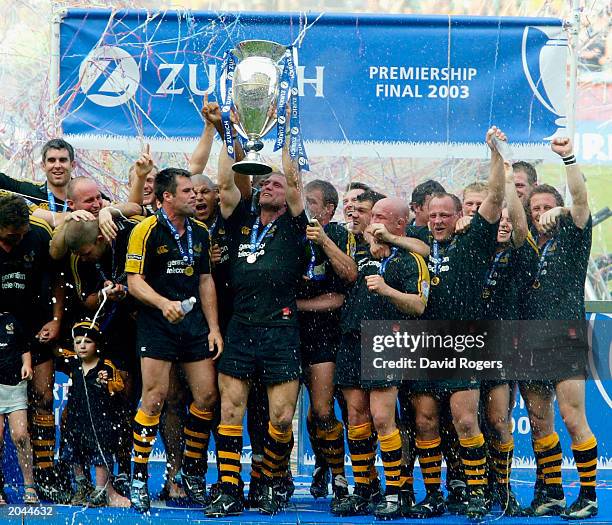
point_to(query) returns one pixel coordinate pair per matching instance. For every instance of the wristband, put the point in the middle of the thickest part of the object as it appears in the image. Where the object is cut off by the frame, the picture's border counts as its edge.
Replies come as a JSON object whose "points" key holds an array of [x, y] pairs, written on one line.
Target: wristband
{"points": [[569, 160]]}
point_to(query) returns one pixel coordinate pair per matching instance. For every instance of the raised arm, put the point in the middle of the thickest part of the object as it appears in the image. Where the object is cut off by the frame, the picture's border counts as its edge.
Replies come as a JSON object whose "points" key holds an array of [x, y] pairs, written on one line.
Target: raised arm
{"points": [[491, 207], [516, 211], [57, 247], [201, 153], [579, 210], [342, 263], [295, 201], [141, 168], [409, 244]]}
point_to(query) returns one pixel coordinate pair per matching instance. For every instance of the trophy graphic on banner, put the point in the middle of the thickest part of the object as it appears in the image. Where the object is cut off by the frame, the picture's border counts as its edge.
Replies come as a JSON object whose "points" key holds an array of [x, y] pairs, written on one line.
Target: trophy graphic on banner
{"points": [[257, 82], [551, 60]]}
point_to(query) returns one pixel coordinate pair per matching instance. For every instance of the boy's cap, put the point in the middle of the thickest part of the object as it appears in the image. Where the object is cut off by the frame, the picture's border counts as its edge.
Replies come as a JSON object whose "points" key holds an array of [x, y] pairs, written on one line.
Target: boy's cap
{"points": [[87, 328]]}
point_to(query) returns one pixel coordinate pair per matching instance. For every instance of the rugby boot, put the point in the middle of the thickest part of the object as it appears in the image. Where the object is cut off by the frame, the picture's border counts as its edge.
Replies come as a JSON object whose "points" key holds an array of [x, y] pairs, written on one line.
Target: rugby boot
{"points": [[456, 499], [340, 490], [139, 496], [352, 505], [224, 505], [83, 489], [320, 482], [269, 503], [582, 508], [98, 498], [195, 487], [390, 508], [546, 504], [121, 483], [284, 489], [479, 504], [505, 498], [433, 505]]}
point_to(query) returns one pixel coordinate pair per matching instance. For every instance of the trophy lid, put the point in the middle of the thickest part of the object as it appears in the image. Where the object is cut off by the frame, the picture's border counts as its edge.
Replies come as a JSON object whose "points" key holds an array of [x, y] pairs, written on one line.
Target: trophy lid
{"points": [[259, 48]]}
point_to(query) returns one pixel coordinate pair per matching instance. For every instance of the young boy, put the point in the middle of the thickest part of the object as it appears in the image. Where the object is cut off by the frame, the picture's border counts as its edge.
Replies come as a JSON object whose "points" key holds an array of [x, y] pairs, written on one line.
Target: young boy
{"points": [[15, 371], [94, 414]]}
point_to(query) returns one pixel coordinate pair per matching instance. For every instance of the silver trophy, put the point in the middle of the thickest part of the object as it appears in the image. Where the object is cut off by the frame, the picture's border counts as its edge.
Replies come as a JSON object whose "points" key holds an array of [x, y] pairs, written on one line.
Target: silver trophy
{"points": [[255, 91]]}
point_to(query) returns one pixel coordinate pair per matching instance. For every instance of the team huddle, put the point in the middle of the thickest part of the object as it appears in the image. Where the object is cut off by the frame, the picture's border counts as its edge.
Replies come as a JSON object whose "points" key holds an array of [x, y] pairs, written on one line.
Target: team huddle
{"points": [[196, 303]]}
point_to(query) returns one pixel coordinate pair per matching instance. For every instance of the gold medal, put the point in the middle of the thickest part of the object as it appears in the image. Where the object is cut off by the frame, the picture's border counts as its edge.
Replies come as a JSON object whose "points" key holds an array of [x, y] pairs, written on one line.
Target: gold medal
{"points": [[188, 271], [435, 280], [536, 284]]}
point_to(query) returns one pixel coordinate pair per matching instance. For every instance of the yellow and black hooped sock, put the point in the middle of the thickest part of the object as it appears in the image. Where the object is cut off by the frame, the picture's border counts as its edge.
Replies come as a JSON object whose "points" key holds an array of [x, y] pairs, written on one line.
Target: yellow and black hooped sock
{"points": [[229, 447], [549, 458], [284, 466], [43, 440], [430, 461], [585, 455], [144, 433], [474, 460], [315, 441], [256, 466], [277, 450], [362, 456], [332, 446], [391, 455], [197, 435], [500, 455]]}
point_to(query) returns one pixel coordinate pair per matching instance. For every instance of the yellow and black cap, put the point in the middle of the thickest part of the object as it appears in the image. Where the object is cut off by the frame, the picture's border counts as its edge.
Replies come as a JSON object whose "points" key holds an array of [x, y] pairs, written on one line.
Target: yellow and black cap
{"points": [[87, 328]]}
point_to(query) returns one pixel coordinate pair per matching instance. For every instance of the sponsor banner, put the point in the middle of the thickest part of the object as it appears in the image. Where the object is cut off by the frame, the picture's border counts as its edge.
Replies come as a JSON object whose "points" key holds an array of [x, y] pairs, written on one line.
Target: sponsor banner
{"points": [[370, 85]]}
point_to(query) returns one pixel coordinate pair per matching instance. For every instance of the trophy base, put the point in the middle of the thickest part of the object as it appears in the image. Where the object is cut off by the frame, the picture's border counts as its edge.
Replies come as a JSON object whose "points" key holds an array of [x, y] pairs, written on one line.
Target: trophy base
{"points": [[251, 167]]}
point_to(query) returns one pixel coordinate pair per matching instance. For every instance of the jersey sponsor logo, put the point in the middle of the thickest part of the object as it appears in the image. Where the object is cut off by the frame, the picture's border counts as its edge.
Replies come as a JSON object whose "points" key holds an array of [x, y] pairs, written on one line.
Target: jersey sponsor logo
{"points": [[425, 289], [120, 76], [162, 249]]}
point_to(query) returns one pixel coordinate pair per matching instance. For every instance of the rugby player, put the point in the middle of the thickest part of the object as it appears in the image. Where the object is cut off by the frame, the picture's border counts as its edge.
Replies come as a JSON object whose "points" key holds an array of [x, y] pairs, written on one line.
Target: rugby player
{"points": [[320, 296], [557, 293], [392, 284], [266, 261], [29, 285], [457, 265], [167, 262]]}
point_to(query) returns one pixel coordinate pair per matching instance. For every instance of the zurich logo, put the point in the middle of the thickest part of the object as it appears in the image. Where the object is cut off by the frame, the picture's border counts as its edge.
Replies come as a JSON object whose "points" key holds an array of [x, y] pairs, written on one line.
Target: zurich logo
{"points": [[109, 76]]}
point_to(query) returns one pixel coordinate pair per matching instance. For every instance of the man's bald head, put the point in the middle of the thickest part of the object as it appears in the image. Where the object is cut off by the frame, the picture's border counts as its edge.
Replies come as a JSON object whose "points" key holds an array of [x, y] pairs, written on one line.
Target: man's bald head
{"points": [[83, 193], [393, 212]]}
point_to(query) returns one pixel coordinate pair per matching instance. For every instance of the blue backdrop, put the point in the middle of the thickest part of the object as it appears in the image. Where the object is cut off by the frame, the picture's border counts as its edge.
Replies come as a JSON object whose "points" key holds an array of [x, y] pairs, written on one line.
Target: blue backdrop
{"points": [[391, 84]]}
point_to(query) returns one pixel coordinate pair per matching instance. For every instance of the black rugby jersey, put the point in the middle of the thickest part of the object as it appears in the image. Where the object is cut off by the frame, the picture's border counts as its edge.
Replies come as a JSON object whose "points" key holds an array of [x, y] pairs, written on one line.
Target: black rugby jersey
{"points": [[558, 292], [459, 271], [265, 290], [153, 252], [12, 347], [508, 282], [405, 272], [26, 276], [323, 280]]}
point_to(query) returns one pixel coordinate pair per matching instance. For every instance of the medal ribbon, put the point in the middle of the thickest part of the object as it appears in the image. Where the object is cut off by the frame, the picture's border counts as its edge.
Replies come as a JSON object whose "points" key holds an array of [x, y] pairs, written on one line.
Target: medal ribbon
{"points": [[255, 239], [436, 258], [543, 259], [494, 265], [386, 260], [311, 264], [53, 204], [228, 67], [288, 92], [188, 258]]}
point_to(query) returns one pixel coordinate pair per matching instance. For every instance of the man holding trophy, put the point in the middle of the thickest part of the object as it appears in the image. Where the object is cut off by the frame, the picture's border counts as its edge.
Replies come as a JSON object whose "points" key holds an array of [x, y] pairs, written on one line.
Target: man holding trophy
{"points": [[266, 251]]}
